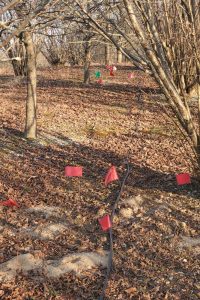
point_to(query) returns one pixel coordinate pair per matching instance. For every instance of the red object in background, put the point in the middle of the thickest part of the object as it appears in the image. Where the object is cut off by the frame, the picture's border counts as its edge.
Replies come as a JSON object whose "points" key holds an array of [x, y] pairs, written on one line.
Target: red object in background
{"points": [[105, 223], [111, 175], [130, 75], [73, 171], [9, 203], [100, 81], [183, 178], [111, 73], [110, 68]]}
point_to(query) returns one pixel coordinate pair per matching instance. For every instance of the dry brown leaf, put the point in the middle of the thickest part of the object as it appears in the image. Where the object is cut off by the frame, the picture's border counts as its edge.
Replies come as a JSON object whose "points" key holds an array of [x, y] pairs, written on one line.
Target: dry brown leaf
{"points": [[131, 291]]}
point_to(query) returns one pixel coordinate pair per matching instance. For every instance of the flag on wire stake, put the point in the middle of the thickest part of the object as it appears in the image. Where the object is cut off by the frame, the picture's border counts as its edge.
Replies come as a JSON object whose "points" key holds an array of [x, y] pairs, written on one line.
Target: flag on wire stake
{"points": [[71, 171], [111, 252], [9, 203], [105, 222], [111, 175], [183, 178], [75, 171]]}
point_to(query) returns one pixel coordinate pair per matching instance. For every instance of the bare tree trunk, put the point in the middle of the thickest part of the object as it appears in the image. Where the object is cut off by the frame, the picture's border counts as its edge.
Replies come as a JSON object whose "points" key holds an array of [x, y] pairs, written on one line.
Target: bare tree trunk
{"points": [[119, 53], [30, 126], [119, 56], [87, 56], [164, 79], [19, 66], [87, 62], [107, 54]]}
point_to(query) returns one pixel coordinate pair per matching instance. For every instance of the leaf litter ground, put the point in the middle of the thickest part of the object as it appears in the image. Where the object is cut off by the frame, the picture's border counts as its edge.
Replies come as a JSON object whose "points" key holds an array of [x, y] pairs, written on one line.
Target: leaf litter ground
{"points": [[156, 229]]}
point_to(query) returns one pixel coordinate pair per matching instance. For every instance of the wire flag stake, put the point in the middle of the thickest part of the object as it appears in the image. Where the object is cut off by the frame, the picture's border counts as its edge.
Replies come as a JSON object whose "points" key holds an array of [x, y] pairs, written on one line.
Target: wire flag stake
{"points": [[110, 258]]}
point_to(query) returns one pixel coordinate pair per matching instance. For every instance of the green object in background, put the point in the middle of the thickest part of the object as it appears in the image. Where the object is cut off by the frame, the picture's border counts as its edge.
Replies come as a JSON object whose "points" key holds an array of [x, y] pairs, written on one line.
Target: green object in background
{"points": [[97, 74]]}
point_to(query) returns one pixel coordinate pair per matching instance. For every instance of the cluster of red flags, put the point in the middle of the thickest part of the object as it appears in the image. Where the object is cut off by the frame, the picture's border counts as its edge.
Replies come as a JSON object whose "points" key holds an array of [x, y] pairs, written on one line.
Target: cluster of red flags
{"points": [[9, 203], [75, 171], [112, 69], [105, 222]]}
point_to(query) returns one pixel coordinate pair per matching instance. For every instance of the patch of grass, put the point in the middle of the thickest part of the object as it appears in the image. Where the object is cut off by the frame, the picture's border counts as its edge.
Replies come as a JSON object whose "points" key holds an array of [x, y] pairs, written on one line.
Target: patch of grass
{"points": [[26, 189], [97, 132], [160, 130]]}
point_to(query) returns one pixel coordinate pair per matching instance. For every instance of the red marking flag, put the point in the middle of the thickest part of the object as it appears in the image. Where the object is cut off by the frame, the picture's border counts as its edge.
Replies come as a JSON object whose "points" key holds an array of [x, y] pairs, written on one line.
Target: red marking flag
{"points": [[111, 73], [183, 178], [100, 81], [130, 75], [105, 223], [71, 171], [108, 67], [9, 203], [111, 175]]}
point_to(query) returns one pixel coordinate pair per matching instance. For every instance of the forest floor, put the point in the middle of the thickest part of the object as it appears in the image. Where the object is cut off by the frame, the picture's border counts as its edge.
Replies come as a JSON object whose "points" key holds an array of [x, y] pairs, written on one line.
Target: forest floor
{"points": [[52, 246]]}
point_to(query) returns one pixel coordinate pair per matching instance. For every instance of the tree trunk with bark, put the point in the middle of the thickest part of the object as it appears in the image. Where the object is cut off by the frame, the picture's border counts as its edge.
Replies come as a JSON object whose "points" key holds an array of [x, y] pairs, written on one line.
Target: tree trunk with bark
{"points": [[19, 66], [119, 56], [31, 103], [119, 53], [107, 54], [87, 62]]}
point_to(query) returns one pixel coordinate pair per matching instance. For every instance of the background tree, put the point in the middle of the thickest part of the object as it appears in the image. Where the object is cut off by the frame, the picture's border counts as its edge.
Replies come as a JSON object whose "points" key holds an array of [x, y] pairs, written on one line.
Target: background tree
{"points": [[16, 48], [22, 19], [55, 45]]}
